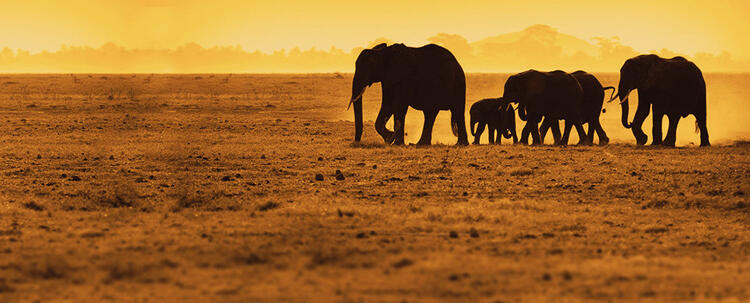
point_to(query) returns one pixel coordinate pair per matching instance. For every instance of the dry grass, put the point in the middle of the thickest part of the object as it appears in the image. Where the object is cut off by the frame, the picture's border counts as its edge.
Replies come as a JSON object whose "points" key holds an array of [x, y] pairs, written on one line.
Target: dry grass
{"points": [[205, 190]]}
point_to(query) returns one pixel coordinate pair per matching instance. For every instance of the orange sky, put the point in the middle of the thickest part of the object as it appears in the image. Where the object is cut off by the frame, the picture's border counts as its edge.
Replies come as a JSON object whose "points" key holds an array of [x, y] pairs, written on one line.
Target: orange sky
{"points": [[682, 26]]}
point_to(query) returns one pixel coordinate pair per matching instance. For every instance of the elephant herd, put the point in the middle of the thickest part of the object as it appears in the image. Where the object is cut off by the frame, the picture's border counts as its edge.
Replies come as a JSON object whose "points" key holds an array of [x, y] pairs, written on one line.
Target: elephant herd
{"points": [[430, 79]]}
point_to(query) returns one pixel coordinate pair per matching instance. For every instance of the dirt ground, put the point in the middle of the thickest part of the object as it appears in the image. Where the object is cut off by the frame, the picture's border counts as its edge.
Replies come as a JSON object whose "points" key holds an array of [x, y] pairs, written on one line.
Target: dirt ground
{"points": [[246, 188]]}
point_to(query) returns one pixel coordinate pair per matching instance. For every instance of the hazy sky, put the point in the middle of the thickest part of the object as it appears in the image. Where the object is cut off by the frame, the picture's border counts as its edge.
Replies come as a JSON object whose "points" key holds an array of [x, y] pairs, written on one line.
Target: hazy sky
{"points": [[684, 26]]}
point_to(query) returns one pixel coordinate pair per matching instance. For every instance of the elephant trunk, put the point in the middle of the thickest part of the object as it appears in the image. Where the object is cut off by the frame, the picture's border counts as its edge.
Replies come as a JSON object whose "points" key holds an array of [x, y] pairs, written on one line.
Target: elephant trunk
{"points": [[625, 108], [522, 111], [358, 89]]}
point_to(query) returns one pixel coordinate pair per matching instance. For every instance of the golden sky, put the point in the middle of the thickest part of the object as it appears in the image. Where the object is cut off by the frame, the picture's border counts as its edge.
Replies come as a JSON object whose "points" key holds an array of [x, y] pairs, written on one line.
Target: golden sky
{"points": [[683, 26]]}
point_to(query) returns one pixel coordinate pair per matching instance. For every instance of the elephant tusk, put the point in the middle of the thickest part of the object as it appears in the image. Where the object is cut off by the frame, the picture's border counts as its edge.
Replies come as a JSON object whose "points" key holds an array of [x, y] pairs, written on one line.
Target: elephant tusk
{"points": [[626, 98], [356, 98]]}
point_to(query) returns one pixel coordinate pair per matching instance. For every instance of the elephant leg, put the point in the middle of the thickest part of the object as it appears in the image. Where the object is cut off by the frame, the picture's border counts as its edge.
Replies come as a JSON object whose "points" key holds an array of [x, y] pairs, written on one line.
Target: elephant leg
{"points": [[583, 139], [590, 133], [603, 139], [525, 132], [458, 122], [657, 127], [534, 129], [543, 128], [491, 133], [672, 130], [479, 132], [640, 115], [399, 123], [429, 121], [513, 133], [556, 135], [700, 119], [566, 133], [383, 116]]}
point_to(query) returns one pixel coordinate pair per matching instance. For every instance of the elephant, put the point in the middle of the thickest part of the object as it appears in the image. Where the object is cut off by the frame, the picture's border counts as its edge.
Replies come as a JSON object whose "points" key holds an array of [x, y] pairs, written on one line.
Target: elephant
{"points": [[673, 87], [427, 78], [498, 120], [553, 96], [591, 109]]}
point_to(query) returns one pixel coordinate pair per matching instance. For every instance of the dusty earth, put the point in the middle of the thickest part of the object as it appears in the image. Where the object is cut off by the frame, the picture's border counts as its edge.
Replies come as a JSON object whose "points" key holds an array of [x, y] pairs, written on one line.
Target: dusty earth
{"points": [[174, 188]]}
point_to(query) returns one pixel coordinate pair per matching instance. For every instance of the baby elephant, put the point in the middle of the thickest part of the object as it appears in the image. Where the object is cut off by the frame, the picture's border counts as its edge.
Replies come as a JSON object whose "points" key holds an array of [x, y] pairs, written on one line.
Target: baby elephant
{"points": [[500, 122]]}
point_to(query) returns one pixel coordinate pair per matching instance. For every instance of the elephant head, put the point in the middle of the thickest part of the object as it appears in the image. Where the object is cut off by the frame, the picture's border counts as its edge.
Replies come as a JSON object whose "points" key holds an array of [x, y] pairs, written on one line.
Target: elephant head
{"points": [[521, 87], [388, 65], [634, 74]]}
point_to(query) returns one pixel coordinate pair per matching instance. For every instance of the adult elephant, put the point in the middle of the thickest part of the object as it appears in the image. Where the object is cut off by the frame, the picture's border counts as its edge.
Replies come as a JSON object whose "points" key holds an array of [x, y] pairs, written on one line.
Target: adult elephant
{"points": [[552, 95], [672, 87], [427, 78], [591, 109]]}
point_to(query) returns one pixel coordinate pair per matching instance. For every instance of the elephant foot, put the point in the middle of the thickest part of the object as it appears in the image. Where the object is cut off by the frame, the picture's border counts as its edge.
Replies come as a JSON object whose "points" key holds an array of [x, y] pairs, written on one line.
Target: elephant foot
{"points": [[464, 143], [427, 143], [657, 144], [641, 140], [705, 144], [603, 142]]}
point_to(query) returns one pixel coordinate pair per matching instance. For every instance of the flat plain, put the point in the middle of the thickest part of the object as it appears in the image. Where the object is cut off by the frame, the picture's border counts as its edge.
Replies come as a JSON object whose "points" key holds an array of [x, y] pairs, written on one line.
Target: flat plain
{"points": [[237, 188]]}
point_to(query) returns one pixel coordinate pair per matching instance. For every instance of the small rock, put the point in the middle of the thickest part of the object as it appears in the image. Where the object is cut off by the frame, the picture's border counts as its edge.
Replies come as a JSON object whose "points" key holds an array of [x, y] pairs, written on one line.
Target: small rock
{"points": [[319, 177], [361, 235], [473, 233], [546, 277], [38, 156], [111, 157], [33, 206], [453, 234], [75, 178], [374, 166], [339, 175], [320, 158], [268, 206], [403, 263], [262, 156], [567, 275], [227, 178]]}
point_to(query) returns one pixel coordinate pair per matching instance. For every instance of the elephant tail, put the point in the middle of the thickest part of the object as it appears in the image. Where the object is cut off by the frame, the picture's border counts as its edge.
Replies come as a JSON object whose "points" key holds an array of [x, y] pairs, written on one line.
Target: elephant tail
{"points": [[454, 128], [697, 128]]}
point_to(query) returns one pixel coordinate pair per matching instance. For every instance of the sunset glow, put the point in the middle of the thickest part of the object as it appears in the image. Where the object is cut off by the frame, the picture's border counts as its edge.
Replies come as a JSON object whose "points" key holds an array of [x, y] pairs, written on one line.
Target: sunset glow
{"points": [[685, 27]]}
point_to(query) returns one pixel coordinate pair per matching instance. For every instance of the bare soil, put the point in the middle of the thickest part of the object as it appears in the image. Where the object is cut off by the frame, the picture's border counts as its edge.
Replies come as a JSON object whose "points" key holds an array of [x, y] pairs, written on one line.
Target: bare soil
{"points": [[166, 188]]}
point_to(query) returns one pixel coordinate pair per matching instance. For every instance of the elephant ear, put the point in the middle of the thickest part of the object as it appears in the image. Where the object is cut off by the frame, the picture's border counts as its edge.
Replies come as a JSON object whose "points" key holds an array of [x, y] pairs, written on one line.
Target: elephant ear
{"points": [[653, 75], [400, 62], [535, 83]]}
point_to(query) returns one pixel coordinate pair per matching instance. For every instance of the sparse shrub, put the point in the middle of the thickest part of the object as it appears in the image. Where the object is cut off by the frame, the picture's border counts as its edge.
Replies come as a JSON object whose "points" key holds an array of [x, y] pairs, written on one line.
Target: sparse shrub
{"points": [[520, 172], [115, 195], [47, 268], [33, 206]]}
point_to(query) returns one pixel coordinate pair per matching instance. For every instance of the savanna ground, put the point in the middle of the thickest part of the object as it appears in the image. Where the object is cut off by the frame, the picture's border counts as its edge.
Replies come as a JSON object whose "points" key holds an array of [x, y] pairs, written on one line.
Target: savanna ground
{"points": [[166, 188]]}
